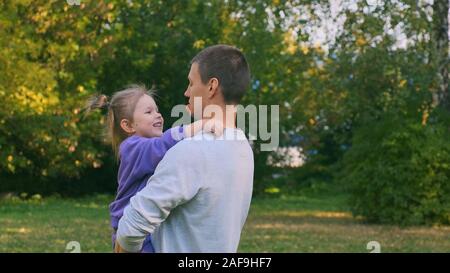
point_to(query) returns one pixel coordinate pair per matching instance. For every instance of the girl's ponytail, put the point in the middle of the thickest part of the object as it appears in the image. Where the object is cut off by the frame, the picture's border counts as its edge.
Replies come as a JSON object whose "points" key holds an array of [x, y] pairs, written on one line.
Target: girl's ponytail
{"points": [[96, 102]]}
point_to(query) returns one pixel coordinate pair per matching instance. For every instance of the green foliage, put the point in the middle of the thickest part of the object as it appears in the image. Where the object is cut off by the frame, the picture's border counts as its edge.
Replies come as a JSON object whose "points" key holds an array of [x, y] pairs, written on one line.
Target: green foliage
{"points": [[397, 165], [398, 171], [47, 61], [54, 56]]}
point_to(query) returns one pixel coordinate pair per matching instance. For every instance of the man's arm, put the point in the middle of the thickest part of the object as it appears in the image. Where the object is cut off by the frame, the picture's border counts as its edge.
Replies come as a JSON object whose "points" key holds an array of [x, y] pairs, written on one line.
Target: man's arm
{"points": [[174, 182]]}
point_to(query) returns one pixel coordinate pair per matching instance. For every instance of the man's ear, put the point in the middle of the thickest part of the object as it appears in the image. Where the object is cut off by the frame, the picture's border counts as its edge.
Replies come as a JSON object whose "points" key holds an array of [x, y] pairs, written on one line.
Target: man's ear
{"points": [[213, 87], [125, 124]]}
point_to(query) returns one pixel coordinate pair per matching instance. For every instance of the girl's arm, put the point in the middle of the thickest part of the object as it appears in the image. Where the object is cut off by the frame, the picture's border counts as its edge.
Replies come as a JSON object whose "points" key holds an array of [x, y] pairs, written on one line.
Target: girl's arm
{"points": [[144, 154]]}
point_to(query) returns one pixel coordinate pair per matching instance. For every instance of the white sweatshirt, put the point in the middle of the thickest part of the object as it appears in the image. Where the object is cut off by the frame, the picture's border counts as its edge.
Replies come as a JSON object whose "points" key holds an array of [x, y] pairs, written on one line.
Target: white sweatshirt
{"points": [[197, 200]]}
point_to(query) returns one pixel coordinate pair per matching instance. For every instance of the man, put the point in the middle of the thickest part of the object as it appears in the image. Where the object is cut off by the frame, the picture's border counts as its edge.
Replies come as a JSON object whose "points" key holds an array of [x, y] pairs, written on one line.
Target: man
{"points": [[199, 196]]}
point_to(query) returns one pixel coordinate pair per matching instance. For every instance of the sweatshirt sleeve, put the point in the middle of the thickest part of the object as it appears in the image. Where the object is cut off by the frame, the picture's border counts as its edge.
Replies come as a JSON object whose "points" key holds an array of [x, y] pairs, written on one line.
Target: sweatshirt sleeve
{"points": [[170, 186], [146, 153]]}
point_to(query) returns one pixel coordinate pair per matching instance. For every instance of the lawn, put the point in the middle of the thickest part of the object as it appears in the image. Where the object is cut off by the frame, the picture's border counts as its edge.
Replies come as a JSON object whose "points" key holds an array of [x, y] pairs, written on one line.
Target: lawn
{"points": [[308, 222]]}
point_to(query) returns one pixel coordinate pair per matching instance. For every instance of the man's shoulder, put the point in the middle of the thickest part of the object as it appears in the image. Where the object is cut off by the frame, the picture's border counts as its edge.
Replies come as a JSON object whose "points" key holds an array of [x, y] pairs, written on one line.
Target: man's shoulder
{"points": [[184, 148], [201, 143]]}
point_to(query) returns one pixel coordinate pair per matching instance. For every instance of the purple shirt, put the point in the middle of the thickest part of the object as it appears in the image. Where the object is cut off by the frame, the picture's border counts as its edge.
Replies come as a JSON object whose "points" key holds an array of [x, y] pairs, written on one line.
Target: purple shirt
{"points": [[139, 157]]}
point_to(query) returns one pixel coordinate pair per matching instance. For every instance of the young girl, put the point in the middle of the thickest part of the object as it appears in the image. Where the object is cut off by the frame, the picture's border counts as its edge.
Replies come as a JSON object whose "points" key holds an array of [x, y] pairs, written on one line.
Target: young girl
{"points": [[135, 128]]}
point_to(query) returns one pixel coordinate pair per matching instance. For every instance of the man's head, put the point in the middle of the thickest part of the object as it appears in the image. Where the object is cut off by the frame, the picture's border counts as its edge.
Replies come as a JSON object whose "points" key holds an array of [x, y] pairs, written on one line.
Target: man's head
{"points": [[219, 75]]}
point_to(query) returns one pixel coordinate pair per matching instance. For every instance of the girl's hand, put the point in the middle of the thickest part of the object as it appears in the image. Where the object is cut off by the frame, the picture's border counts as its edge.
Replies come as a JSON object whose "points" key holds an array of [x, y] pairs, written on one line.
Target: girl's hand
{"points": [[213, 126], [118, 248]]}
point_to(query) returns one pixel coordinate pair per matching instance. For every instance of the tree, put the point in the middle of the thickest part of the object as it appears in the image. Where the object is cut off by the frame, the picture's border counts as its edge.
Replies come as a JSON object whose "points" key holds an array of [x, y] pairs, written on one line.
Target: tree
{"points": [[48, 59], [396, 166]]}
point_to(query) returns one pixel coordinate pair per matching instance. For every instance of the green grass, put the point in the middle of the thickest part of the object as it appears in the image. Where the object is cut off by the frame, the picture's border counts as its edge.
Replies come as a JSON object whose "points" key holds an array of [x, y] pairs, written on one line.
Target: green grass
{"points": [[309, 222], [48, 225]]}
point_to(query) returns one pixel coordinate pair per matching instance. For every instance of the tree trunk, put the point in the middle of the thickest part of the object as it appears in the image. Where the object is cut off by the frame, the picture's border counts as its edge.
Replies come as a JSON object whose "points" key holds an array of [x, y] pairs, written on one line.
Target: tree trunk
{"points": [[440, 24]]}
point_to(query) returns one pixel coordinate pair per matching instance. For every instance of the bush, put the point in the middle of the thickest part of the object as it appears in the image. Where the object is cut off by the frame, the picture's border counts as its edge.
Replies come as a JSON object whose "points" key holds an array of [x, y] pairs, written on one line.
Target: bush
{"points": [[398, 172]]}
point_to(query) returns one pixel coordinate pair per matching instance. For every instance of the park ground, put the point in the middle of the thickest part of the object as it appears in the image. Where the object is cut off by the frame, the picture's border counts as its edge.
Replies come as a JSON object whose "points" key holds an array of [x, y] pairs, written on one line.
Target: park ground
{"points": [[310, 221]]}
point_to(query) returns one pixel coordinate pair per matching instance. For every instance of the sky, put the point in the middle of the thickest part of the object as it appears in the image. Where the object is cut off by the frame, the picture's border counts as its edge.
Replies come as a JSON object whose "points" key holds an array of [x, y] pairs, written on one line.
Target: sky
{"points": [[329, 24]]}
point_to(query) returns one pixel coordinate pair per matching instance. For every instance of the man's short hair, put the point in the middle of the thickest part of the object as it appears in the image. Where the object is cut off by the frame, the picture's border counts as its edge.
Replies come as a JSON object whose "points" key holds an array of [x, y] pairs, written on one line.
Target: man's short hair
{"points": [[229, 66]]}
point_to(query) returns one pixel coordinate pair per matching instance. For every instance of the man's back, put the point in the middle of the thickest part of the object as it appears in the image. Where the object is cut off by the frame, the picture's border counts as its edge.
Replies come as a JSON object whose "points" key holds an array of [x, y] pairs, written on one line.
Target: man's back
{"points": [[201, 191], [213, 219]]}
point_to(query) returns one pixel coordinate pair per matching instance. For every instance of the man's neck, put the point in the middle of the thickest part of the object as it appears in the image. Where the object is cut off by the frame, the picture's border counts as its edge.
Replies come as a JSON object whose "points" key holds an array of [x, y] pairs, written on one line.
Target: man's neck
{"points": [[229, 116], [226, 113]]}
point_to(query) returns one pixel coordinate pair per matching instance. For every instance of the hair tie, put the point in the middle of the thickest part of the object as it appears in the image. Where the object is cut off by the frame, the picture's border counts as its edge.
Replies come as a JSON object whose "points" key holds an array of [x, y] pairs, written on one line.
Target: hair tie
{"points": [[103, 102]]}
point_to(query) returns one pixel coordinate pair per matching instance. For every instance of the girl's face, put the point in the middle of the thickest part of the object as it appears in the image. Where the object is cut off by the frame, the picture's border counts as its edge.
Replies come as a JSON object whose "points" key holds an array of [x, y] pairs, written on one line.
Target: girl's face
{"points": [[147, 121]]}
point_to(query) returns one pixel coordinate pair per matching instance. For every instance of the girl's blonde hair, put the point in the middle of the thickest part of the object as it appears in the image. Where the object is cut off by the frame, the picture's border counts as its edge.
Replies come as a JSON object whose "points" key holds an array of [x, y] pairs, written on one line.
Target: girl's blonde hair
{"points": [[121, 106]]}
